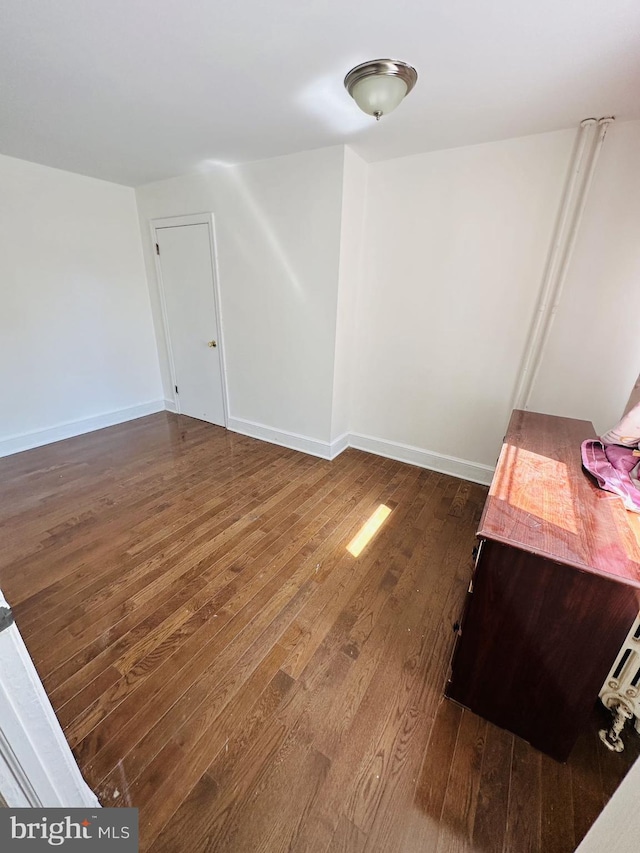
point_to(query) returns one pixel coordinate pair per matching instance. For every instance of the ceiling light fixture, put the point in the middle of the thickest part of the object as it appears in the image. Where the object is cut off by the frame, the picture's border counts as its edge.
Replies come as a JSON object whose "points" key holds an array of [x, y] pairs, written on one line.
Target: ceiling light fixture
{"points": [[378, 86]]}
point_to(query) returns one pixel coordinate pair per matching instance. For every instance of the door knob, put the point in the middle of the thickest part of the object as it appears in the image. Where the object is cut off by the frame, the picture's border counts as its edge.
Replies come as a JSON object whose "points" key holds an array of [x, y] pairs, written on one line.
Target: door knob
{"points": [[212, 344]]}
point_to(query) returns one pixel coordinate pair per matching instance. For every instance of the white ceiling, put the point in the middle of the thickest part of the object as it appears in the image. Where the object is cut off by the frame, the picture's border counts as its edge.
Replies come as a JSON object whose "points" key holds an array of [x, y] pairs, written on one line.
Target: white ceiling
{"points": [[134, 91]]}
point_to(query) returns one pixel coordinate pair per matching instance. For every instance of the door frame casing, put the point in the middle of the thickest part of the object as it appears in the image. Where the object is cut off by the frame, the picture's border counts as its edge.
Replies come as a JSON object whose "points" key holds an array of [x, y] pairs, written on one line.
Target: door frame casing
{"points": [[37, 767], [177, 222]]}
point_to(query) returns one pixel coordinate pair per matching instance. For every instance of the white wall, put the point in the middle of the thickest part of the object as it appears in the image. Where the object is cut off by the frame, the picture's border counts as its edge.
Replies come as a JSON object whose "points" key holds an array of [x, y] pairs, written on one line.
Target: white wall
{"points": [[76, 335], [617, 829], [593, 355], [354, 189], [455, 247], [278, 242]]}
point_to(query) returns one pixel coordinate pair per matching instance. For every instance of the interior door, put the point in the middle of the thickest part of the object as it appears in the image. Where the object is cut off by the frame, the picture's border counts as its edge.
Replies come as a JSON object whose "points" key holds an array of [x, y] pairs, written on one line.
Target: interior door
{"points": [[187, 279]]}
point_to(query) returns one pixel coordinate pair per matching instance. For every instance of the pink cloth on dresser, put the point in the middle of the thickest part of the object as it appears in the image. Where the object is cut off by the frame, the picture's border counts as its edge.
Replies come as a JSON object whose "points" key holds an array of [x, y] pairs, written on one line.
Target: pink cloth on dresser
{"points": [[611, 460]]}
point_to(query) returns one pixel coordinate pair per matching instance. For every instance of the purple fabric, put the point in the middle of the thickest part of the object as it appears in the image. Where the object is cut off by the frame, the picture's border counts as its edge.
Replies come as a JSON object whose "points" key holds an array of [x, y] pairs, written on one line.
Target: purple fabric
{"points": [[615, 469]]}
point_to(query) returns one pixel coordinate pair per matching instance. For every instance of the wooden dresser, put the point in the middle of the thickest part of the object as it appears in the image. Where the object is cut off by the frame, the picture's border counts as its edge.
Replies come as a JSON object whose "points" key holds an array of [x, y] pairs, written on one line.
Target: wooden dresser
{"points": [[555, 589]]}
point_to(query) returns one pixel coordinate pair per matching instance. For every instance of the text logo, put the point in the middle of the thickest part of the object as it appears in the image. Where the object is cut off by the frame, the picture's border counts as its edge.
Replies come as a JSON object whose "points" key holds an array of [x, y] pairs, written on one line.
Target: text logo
{"points": [[101, 830]]}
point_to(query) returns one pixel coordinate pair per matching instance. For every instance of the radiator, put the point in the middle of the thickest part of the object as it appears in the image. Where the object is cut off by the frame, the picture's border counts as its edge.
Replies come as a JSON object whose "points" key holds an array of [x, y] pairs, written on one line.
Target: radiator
{"points": [[620, 692]]}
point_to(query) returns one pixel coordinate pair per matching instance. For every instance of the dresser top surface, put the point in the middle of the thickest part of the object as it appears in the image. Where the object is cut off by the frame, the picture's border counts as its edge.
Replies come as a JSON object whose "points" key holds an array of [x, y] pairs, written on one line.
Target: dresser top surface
{"points": [[541, 500]]}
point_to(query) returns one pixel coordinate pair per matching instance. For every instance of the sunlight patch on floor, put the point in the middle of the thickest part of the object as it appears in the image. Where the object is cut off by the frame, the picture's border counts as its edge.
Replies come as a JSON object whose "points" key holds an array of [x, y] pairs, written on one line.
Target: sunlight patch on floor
{"points": [[368, 530]]}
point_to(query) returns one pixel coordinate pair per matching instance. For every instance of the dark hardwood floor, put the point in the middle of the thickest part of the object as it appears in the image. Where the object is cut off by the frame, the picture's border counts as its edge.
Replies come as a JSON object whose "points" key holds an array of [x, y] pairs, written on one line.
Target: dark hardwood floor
{"points": [[219, 659]]}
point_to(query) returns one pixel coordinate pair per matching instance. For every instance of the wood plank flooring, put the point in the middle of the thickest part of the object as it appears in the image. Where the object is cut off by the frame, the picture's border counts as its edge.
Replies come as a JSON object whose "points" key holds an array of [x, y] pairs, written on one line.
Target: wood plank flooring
{"points": [[218, 658]]}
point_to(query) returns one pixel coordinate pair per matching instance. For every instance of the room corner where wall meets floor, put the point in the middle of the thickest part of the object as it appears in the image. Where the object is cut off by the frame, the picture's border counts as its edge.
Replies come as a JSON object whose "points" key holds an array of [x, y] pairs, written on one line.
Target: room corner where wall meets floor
{"points": [[330, 329], [466, 470]]}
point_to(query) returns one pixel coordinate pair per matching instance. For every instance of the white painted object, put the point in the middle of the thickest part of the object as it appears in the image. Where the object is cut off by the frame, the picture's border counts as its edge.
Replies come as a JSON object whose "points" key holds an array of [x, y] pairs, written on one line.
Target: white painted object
{"points": [[454, 252], [576, 377], [429, 459], [354, 196], [426, 355], [28, 440], [621, 688], [548, 289], [37, 767], [617, 829], [559, 264], [186, 275], [277, 229], [432, 461], [134, 92], [77, 344]]}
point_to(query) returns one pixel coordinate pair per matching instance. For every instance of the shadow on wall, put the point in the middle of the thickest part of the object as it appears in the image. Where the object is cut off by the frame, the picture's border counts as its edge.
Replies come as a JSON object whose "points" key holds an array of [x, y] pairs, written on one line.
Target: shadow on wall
{"points": [[634, 399], [263, 227]]}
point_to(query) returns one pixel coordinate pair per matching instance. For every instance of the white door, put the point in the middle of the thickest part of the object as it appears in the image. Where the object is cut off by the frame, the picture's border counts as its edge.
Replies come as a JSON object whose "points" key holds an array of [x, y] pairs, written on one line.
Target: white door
{"points": [[37, 768], [185, 259]]}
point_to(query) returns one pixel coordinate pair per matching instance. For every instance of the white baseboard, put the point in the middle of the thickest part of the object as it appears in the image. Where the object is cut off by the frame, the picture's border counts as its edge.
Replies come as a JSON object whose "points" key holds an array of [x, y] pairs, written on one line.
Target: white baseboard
{"points": [[170, 406], [338, 445], [476, 472], [28, 440], [463, 468], [293, 440]]}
